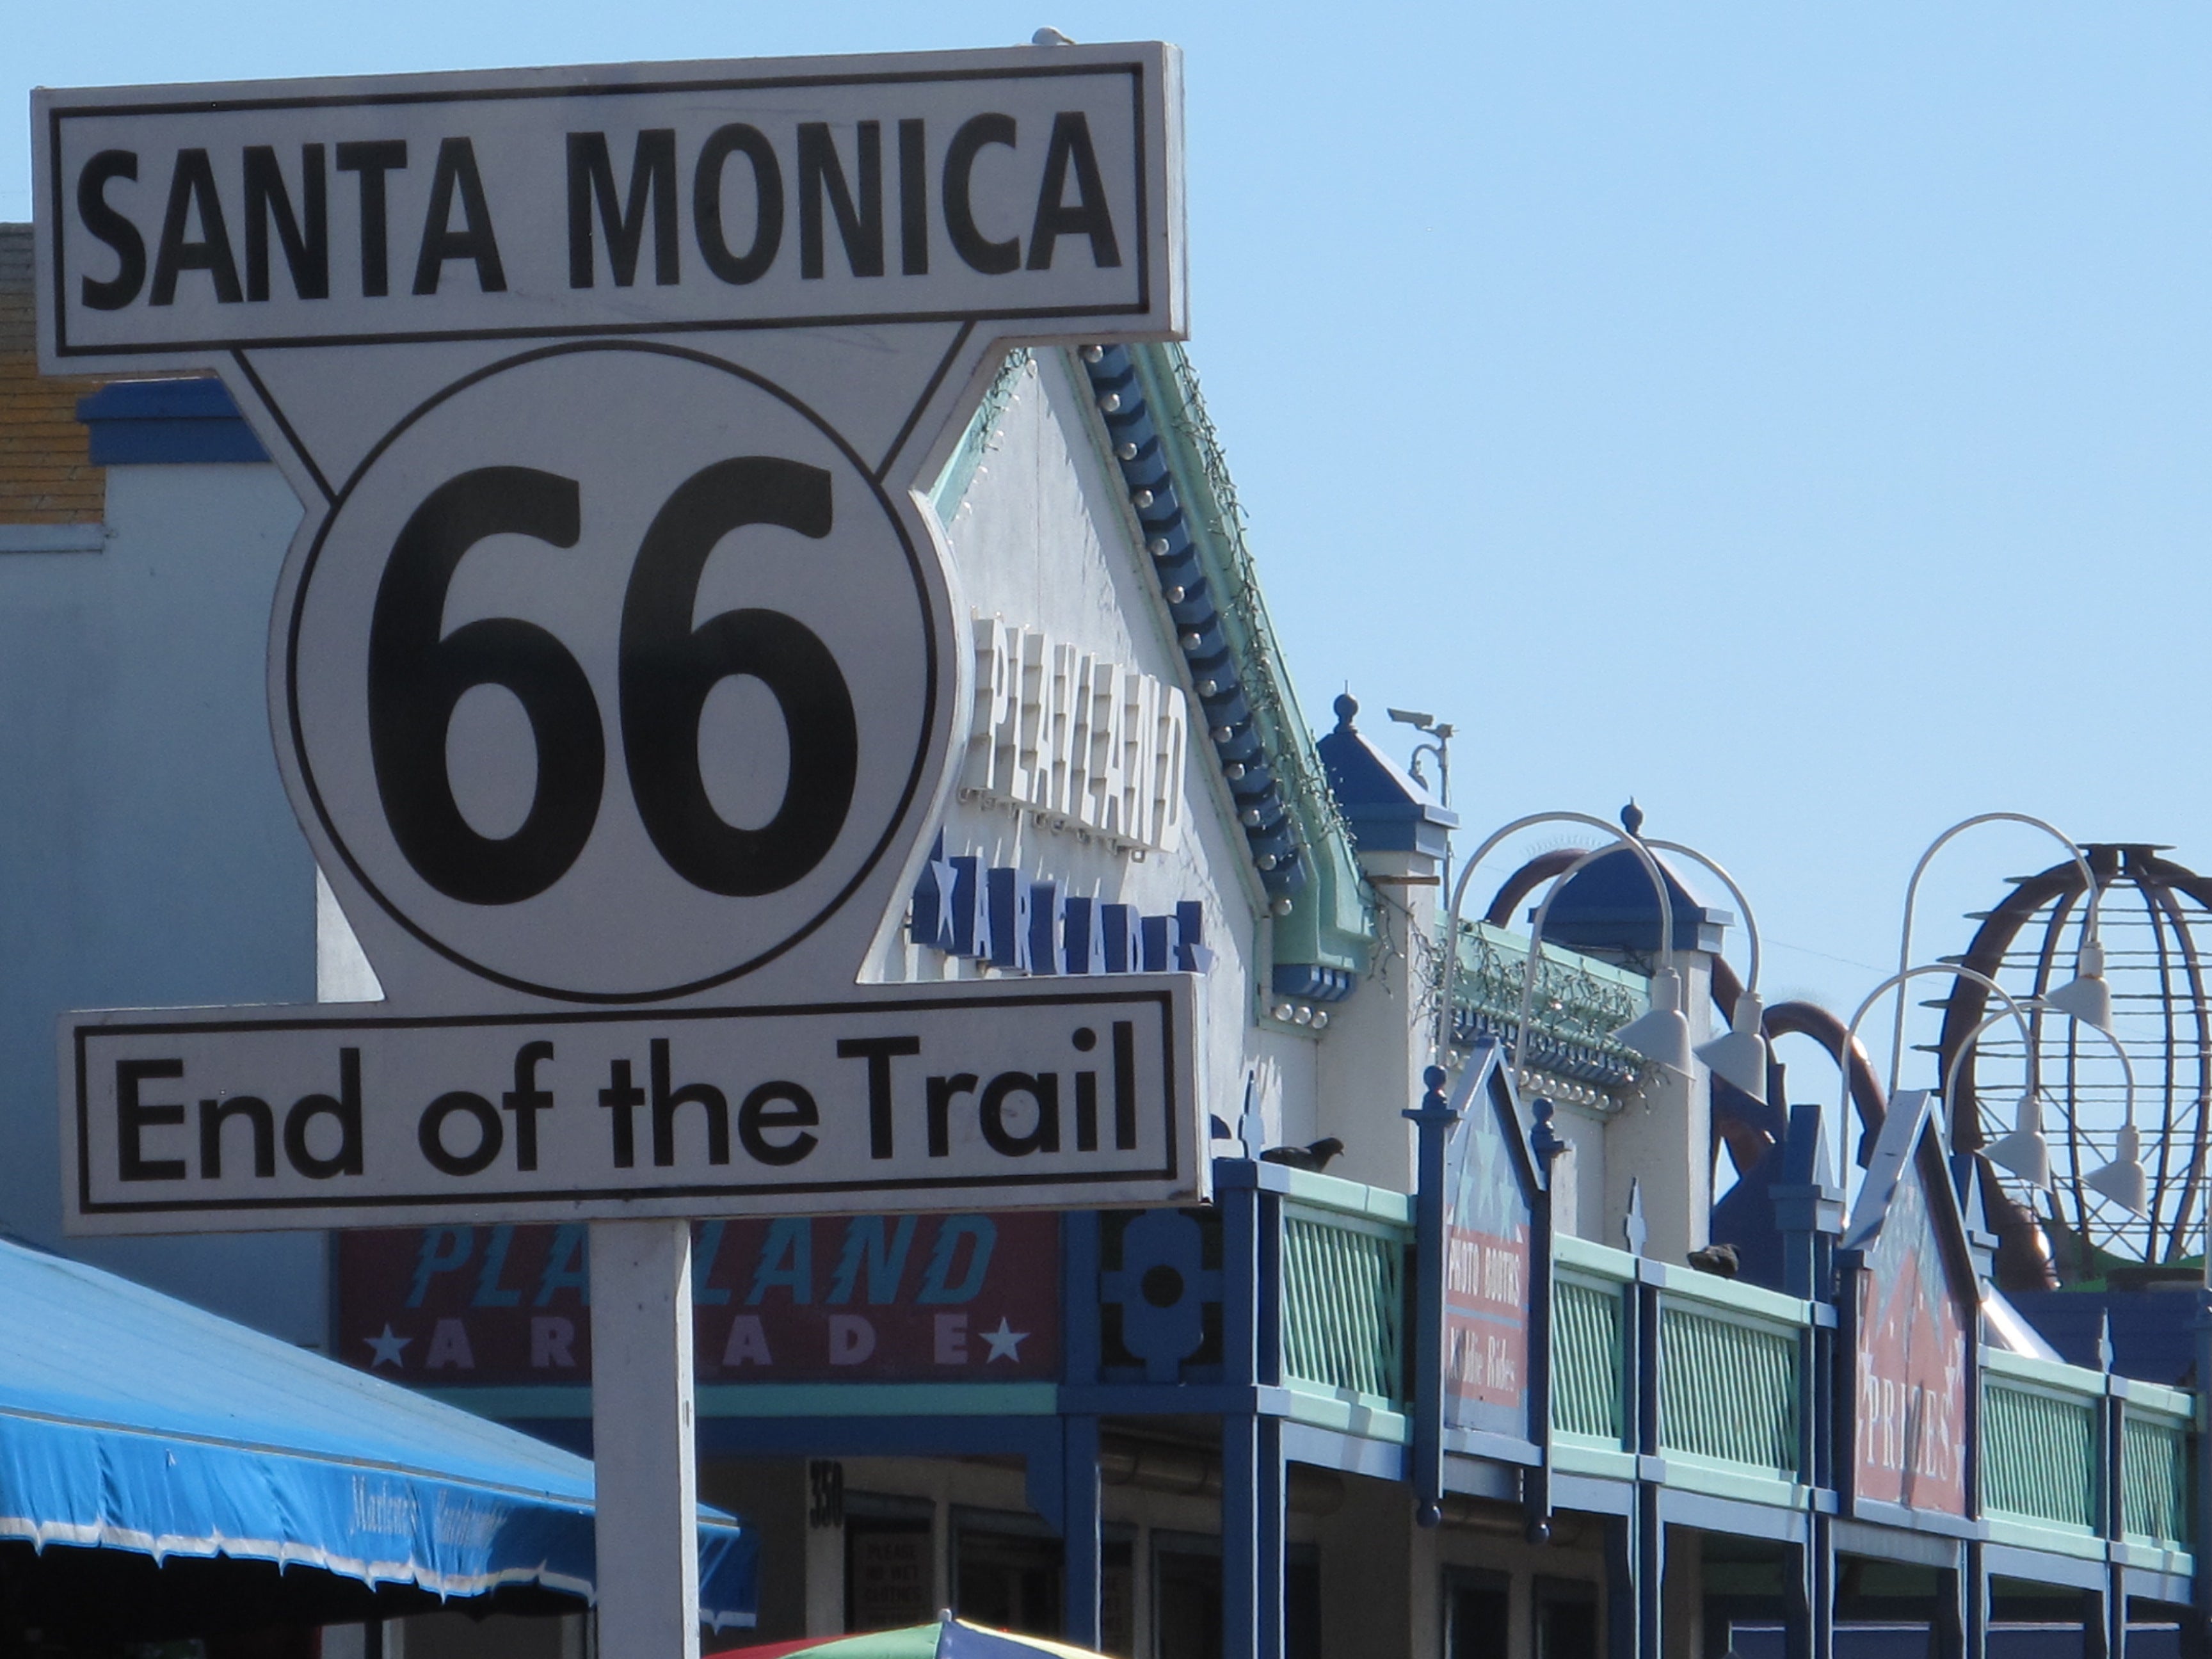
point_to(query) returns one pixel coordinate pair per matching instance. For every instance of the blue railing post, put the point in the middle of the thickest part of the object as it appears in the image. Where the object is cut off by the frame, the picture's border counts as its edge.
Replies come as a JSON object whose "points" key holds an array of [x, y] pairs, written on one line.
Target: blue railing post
{"points": [[2112, 1498], [1982, 1243], [1809, 1214], [1080, 1529], [1433, 1122], [2200, 1628], [1252, 1481], [1079, 1481], [1536, 1483]]}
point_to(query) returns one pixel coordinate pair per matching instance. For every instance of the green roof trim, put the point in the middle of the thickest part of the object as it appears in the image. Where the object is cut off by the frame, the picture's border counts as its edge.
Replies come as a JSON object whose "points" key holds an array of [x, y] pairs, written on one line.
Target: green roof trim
{"points": [[966, 458], [1332, 920], [1332, 923]]}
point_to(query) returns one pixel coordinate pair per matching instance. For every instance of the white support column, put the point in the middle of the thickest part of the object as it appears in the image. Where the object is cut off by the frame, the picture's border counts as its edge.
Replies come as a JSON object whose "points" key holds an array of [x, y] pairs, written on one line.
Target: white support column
{"points": [[647, 1527]]}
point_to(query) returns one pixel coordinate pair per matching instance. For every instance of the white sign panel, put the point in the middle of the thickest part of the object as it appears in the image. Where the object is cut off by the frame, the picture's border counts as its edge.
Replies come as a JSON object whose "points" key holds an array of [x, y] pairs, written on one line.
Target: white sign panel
{"points": [[350, 1116], [617, 673], [587, 702], [1036, 186]]}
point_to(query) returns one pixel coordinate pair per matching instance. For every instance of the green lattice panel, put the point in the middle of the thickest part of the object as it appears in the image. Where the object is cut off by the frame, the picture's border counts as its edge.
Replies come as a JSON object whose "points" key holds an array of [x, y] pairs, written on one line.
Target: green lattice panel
{"points": [[2038, 1456], [1728, 1391], [1343, 1308], [1586, 1359], [2155, 1482]]}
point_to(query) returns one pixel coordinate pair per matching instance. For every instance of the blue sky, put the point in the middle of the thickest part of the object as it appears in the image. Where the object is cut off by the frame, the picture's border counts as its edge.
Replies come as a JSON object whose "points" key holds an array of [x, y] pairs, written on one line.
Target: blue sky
{"points": [[1794, 417]]}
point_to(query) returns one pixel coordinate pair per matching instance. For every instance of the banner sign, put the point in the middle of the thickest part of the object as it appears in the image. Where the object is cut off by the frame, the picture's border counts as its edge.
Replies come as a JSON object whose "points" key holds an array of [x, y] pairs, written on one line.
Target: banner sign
{"points": [[1487, 1225], [632, 199], [860, 1298], [344, 1115], [1914, 1323]]}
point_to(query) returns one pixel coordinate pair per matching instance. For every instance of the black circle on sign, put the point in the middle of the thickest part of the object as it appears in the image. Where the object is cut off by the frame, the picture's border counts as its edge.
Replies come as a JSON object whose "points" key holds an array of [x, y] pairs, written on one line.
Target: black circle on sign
{"points": [[430, 1133], [1161, 1286], [916, 572]]}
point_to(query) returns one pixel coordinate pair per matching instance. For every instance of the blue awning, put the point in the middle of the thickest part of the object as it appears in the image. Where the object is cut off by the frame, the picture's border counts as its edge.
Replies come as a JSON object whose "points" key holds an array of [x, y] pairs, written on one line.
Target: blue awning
{"points": [[133, 1421]]}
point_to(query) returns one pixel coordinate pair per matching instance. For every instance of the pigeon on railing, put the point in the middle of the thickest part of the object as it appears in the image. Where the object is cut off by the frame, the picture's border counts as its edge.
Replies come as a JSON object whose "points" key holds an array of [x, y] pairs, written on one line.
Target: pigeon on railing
{"points": [[1718, 1260], [1315, 1156]]}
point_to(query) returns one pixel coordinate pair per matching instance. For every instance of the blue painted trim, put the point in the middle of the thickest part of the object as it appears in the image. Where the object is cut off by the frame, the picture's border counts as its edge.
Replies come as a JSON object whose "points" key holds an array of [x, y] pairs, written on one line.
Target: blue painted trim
{"points": [[1490, 1447], [1078, 1298], [1351, 1453], [1311, 981], [1898, 1519], [1592, 1495], [878, 1436], [1173, 1400], [2009, 1561], [1433, 1120], [1677, 1508], [167, 423], [1080, 1529], [1477, 1476]]}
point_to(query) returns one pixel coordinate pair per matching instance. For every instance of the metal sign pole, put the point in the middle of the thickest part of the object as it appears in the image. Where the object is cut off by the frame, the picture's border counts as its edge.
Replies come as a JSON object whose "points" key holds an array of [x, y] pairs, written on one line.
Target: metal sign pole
{"points": [[643, 1442]]}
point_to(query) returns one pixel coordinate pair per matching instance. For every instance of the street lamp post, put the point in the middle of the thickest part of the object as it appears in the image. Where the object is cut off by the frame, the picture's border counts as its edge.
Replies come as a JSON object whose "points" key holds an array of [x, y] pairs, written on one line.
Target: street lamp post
{"points": [[2026, 1153], [2086, 997], [1663, 1033], [1662, 1038], [1739, 1054]]}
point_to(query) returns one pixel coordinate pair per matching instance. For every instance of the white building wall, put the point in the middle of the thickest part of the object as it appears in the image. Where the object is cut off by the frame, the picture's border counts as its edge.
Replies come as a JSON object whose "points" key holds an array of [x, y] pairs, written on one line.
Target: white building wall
{"points": [[1043, 539]]}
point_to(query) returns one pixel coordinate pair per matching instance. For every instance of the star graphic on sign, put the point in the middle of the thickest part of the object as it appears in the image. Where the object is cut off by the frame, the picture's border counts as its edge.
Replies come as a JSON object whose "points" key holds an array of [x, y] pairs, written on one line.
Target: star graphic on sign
{"points": [[1005, 1342], [388, 1347], [943, 877]]}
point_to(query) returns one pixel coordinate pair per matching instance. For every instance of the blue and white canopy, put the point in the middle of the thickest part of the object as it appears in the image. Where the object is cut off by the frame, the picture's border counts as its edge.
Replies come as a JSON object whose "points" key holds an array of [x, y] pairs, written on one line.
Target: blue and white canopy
{"points": [[133, 1421]]}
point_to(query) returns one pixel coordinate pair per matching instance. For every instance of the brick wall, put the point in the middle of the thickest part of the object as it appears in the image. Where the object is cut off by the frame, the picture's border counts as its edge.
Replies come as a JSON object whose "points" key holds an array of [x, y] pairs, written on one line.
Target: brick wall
{"points": [[45, 475]]}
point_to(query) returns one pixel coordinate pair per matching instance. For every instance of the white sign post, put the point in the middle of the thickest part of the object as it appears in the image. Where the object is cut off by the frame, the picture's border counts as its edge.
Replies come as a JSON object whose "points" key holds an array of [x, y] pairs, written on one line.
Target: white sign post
{"points": [[616, 670]]}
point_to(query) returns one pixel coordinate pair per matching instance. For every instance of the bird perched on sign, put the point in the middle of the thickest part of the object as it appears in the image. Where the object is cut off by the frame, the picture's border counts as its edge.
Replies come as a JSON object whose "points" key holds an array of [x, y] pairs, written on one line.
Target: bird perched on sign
{"points": [[1315, 1156]]}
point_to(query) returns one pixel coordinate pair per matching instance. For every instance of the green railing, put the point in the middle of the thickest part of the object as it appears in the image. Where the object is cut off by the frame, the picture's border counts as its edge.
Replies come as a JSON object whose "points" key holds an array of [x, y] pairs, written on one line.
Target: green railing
{"points": [[2039, 1442], [1589, 1374], [1730, 1362], [1727, 1388], [1729, 1373], [1344, 1289], [2154, 1479], [1586, 1359]]}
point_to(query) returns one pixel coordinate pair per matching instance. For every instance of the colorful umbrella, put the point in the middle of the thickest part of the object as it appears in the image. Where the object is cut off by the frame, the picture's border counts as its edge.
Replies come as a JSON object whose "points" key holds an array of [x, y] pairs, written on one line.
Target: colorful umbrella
{"points": [[949, 1638]]}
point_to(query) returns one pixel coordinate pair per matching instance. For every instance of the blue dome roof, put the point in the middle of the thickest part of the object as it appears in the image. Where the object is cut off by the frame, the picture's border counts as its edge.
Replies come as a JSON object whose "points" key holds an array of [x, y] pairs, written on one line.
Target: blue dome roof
{"points": [[1386, 810]]}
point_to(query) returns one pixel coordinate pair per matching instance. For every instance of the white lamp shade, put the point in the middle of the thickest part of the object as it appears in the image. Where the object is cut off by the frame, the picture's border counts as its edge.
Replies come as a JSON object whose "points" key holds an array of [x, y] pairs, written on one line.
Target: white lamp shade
{"points": [[2026, 1155], [2024, 1152], [1739, 1054], [2086, 998], [2122, 1181], [1662, 1036]]}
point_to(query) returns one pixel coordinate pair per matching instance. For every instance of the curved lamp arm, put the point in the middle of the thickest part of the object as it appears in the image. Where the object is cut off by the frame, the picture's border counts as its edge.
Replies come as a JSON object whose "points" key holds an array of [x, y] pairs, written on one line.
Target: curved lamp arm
{"points": [[1895, 981], [1620, 838], [1750, 925], [1912, 892], [1957, 1059]]}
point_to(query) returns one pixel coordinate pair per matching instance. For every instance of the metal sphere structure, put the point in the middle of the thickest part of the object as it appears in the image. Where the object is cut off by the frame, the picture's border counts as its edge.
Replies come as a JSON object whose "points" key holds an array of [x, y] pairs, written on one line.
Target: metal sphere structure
{"points": [[2155, 919]]}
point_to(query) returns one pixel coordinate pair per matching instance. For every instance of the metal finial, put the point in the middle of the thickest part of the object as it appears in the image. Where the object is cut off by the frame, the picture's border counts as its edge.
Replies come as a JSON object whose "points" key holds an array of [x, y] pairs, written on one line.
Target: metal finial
{"points": [[1347, 707], [1631, 818]]}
